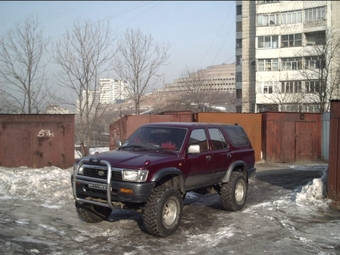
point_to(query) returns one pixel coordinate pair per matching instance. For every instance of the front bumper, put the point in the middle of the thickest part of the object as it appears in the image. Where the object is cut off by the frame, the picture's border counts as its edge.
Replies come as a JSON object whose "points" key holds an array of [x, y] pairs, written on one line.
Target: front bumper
{"points": [[140, 192], [105, 188]]}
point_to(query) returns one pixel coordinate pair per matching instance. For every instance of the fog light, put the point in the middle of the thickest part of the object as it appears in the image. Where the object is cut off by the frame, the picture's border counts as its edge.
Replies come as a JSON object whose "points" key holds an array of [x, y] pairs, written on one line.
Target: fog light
{"points": [[126, 191]]}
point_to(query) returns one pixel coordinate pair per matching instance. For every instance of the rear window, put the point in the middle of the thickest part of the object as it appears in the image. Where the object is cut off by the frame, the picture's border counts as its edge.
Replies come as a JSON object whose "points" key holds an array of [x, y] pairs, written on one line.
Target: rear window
{"points": [[237, 136]]}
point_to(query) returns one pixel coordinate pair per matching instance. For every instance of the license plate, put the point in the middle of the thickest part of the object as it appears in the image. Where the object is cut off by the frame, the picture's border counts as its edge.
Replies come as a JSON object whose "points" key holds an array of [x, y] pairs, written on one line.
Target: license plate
{"points": [[97, 186]]}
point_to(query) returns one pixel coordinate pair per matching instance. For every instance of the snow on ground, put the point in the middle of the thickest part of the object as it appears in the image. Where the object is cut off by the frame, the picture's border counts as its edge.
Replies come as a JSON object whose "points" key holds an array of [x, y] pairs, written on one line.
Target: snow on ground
{"points": [[51, 187], [51, 184]]}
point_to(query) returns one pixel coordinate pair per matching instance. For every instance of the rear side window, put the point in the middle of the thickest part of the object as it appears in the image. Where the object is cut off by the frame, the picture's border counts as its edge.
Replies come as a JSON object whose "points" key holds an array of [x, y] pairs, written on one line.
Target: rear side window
{"points": [[217, 139], [237, 136]]}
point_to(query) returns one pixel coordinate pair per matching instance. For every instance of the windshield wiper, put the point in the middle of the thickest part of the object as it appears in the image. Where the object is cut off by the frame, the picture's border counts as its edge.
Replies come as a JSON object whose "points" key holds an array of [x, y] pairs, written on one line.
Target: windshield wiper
{"points": [[140, 146], [133, 146], [166, 150]]}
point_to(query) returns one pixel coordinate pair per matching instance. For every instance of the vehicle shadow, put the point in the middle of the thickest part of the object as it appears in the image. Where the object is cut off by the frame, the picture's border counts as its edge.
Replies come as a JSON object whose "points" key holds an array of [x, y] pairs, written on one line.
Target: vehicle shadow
{"points": [[265, 186], [288, 178]]}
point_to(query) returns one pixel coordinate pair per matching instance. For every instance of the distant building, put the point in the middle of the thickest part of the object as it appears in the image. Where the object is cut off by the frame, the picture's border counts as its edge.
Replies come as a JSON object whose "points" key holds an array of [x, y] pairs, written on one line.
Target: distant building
{"points": [[111, 90], [276, 41], [55, 109], [214, 78]]}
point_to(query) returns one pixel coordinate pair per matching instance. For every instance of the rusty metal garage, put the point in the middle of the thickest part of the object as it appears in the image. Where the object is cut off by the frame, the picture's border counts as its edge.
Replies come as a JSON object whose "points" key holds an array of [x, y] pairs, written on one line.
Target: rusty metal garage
{"points": [[37, 140]]}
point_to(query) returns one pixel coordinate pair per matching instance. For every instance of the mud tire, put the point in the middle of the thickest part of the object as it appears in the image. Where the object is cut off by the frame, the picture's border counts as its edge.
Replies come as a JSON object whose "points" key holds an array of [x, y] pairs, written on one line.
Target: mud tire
{"points": [[163, 211], [234, 193]]}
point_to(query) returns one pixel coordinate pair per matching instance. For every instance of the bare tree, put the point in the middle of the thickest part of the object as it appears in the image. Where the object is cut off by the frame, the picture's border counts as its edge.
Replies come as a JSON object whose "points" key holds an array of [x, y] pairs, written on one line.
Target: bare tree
{"points": [[321, 72], [5, 104], [21, 68], [139, 61], [84, 55]]}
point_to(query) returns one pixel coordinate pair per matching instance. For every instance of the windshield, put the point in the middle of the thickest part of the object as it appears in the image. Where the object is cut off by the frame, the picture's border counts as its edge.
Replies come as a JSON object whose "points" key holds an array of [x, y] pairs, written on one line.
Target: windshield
{"points": [[157, 138]]}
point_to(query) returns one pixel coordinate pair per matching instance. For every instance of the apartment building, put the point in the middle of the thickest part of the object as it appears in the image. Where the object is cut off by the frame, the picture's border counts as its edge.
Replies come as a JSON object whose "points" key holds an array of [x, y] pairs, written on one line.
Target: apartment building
{"points": [[214, 78], [282, 48], [111, 90]]}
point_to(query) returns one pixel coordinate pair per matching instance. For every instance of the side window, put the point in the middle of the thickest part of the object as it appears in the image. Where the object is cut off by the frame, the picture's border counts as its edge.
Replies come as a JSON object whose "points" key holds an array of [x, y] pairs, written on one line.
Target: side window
{"points": [[237, 136], [198, 137], [217, 139]]}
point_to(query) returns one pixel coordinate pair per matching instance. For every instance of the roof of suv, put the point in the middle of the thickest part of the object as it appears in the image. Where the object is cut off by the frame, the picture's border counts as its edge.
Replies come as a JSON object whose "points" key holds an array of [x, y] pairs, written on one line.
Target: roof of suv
{"points": [[187, 124]]}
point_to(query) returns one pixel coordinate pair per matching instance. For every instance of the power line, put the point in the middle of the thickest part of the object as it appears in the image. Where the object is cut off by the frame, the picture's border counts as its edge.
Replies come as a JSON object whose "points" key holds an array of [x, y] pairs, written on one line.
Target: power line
{"points": [[117, 14], [139, 15], [216, 36], [224, 40]]}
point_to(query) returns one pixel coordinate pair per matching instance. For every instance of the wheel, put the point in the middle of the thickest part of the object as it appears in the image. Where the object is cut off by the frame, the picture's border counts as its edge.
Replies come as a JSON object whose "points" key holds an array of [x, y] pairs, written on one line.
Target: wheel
{"points": [[91, 213], [234, 193], [163, 211]]}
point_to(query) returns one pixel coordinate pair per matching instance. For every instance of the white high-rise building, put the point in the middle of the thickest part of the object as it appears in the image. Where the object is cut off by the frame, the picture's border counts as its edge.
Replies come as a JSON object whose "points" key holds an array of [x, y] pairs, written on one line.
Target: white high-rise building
{"points": [[281, 55], [111, 90]]}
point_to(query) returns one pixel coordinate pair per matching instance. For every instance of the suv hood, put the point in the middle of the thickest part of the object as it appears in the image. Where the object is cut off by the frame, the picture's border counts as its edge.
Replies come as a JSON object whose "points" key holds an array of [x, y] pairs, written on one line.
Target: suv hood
{"points": [[133, 159]]}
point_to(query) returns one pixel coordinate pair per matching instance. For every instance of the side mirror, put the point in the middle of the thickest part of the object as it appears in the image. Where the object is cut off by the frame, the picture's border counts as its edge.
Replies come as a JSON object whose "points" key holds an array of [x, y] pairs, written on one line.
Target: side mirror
{"points": [[194, 148], [118, 144]]}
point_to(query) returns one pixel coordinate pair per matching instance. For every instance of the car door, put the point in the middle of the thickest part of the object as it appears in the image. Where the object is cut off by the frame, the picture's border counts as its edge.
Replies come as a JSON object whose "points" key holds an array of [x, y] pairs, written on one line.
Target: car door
{"points": [[221, 154], [198, 165]]}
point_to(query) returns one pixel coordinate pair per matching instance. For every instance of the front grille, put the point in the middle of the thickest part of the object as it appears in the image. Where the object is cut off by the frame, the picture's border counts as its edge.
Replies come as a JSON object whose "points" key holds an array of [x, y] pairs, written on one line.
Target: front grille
{"points": [[101, 173]]}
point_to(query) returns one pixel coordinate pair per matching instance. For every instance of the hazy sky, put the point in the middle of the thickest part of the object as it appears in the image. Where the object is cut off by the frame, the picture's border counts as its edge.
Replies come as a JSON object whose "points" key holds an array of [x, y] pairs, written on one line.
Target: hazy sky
{"points": [[201, 33]]}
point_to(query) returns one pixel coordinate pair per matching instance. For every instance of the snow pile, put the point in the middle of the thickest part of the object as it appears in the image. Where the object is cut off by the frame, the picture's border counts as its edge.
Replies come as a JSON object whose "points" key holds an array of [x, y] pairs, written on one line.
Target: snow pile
{"points": [[314, 191], [50, 183]]}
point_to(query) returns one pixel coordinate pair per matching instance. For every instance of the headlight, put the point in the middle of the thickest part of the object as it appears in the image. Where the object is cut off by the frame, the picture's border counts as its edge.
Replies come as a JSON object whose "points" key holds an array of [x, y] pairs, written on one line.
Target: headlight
{"points": [[78, 171], [81, 170], [135, 175]]}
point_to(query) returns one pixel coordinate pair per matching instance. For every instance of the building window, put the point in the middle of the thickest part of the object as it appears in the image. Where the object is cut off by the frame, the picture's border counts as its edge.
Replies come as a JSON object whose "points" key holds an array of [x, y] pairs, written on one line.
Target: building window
{"points": [[268, 41], [239, 77], [294, 40], [312, 86], [291, 87], [311, 108], [238, 43], [238, 60], [315, 14], [314, 62], [291, 63], [266, 87], [268, 20], [267, 1], [291, 107], [291, 17], [268, 64], [238, 26], [239, 10], [315, 38], [239, 93]]}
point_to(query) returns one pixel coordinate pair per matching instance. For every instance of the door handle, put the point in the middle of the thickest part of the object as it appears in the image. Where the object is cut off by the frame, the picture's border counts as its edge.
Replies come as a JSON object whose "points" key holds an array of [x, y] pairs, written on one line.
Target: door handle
{"points": [[229, 155], [208, 157]]}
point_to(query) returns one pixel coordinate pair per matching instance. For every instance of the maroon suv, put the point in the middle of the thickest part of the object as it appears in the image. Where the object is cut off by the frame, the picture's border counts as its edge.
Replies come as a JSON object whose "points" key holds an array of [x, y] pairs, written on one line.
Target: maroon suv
{"points": [[157, 165]]}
